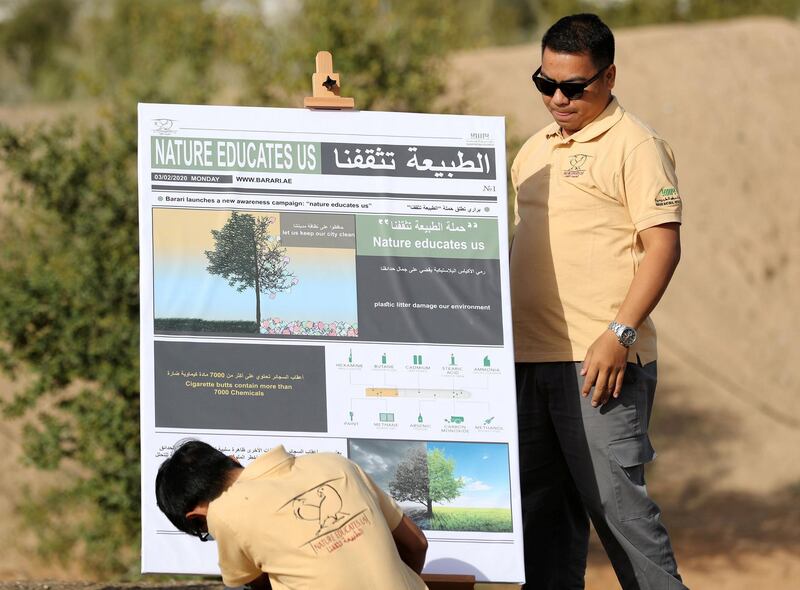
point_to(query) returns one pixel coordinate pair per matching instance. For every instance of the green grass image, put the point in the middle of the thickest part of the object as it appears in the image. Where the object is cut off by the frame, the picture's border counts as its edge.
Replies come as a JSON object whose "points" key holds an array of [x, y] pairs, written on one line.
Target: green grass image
{"points": [[484, 520], [198, 325]]}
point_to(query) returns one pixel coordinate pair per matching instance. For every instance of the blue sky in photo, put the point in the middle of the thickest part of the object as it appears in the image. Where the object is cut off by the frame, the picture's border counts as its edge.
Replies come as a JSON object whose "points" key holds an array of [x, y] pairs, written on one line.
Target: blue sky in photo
{"points": [[484, 469], [184, 289]]}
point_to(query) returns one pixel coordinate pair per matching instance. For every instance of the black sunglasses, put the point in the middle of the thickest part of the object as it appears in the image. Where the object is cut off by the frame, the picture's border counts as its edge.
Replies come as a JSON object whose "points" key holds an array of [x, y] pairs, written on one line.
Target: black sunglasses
{"points": [[572, 90]]}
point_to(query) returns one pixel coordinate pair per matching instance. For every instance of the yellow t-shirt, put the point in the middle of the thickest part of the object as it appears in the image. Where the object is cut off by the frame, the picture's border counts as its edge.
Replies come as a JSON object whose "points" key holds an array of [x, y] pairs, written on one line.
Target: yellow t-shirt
{"points": [[315, 521], [581, 202]]}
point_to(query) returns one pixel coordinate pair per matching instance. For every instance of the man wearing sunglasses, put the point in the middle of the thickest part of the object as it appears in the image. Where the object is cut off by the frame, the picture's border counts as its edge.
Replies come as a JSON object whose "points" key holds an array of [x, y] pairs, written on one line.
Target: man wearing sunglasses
{"points": [[596, 243]]}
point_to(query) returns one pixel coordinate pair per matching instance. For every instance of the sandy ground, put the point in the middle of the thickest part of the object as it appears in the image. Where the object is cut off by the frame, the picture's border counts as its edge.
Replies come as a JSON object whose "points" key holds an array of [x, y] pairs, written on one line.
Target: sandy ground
{"points": [[725, 427]]}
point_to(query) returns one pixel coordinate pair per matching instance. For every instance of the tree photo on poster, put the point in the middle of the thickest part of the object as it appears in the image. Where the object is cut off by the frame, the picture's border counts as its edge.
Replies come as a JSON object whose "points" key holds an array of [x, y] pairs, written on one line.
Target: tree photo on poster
{"points": [[442, 486], [426, 477], [248, 256]]}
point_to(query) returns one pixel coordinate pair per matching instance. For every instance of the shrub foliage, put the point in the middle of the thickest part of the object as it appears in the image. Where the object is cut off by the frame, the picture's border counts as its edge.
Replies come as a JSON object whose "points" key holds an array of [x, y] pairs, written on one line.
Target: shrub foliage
{"points": [[68, 234], [69, 270], [69, 291]]}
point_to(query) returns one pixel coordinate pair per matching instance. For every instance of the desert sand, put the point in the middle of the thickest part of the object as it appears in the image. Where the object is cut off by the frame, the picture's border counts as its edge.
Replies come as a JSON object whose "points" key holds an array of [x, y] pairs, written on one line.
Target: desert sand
{"points": [[724, 95]]}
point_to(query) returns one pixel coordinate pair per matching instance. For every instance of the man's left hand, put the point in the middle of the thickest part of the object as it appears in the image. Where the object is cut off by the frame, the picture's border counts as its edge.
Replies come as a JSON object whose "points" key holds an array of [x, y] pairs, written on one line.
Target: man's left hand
{"points": [[604, 368]]}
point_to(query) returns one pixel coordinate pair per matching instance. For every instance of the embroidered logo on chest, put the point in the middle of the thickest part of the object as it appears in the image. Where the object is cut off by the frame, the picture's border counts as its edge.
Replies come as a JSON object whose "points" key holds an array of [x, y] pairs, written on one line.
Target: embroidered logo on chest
{"points": [[577, 165]]}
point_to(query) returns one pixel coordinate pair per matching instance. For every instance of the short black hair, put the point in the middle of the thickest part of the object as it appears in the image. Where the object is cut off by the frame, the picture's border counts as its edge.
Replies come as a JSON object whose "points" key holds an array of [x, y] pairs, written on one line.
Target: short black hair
{"points": [[582, 33], [196, 472]]}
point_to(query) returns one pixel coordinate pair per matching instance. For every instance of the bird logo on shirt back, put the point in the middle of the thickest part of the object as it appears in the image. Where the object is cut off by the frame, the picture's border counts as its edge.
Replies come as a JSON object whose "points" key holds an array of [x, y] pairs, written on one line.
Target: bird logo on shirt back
{"points": [[321, 504]]}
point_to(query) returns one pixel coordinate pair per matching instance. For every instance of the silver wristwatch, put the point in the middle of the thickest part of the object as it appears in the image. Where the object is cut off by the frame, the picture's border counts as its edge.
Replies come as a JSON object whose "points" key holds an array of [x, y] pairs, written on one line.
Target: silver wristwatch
{"points": [[625, 334]]}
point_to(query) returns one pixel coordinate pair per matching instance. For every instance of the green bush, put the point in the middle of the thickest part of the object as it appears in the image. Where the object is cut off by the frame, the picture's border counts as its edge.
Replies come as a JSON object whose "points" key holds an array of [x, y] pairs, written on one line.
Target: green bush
{"points": [[69, 281], [69, 236], [389, 52], [37, 38], [628, 13], [69, 291], [151, 50]]}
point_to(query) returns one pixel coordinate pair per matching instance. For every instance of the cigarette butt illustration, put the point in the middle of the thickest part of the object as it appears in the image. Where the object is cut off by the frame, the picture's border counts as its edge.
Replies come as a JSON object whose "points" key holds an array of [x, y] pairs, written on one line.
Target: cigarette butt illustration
{"points": [[417, 393]]}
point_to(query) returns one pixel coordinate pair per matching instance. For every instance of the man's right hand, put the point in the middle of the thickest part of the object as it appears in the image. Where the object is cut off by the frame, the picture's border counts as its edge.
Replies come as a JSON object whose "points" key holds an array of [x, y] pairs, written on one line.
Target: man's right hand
{"points": [[604, 368]]}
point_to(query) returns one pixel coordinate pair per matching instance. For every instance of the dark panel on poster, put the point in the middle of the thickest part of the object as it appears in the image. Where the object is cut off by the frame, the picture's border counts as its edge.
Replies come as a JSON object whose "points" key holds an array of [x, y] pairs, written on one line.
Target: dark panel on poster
{"points": [[240, 386], [433, 300]]}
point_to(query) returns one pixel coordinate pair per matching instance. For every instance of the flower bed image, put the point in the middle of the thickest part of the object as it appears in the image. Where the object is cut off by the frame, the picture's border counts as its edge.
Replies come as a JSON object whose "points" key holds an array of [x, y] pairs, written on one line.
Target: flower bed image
{"points": [[308, 328]]}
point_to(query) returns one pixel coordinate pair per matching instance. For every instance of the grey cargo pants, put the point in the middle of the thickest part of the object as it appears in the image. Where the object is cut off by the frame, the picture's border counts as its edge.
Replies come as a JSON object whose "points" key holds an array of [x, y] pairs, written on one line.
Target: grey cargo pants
{"points": [[578, 462]]}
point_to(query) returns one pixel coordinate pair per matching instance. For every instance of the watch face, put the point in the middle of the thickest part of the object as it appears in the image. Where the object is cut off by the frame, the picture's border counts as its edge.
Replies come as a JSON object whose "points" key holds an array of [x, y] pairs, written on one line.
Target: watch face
{"points": [[628, 336]]}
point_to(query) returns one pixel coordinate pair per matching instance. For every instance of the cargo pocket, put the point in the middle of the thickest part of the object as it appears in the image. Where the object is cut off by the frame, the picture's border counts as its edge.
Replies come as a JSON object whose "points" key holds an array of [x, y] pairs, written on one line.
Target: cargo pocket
{"points": [[627, 458]]}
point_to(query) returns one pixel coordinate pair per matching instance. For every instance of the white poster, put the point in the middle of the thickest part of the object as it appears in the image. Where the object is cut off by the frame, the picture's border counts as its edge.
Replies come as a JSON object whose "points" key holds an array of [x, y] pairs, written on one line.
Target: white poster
{"points": [[333, 281]]}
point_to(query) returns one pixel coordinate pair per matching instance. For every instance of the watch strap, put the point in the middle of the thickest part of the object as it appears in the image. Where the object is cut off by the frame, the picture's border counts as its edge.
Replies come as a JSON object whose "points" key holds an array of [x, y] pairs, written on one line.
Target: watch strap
{"points": [[626, 335]]}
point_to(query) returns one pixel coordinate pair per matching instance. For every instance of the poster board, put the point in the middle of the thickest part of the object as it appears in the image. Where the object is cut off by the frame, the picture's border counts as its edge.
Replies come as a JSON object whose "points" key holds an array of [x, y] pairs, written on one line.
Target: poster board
{"points": [[332, 281]]}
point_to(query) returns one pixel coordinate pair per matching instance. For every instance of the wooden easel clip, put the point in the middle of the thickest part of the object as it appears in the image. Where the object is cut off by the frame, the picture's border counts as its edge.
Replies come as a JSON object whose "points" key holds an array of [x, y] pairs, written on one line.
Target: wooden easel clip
{"points": [[325, 87]]}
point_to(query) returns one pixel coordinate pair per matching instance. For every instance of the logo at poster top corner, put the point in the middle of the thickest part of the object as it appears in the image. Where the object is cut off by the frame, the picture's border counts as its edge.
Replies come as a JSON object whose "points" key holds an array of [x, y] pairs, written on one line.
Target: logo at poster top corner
{"points": [[479, 138], [164, 126], [577, 163]]}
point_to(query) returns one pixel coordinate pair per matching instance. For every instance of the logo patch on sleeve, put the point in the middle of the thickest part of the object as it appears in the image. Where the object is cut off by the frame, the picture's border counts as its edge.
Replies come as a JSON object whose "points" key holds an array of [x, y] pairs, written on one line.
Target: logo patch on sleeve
{"points": [[668, 196]]}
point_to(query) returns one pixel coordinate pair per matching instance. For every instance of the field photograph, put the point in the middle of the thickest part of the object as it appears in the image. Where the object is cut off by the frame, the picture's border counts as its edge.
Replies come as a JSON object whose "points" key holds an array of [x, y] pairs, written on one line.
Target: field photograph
{"points": [[442, 486], [484, 520]]}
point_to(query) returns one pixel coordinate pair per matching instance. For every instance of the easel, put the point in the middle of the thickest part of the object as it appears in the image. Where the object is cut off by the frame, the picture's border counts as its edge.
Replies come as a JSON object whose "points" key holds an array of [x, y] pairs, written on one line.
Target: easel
{"points": [[325, 87]]}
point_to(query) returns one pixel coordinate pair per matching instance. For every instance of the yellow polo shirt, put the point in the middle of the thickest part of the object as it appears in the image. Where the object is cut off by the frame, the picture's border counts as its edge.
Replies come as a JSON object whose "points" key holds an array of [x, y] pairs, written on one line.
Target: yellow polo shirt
{"points": [[316, 521], [581, 202]]}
